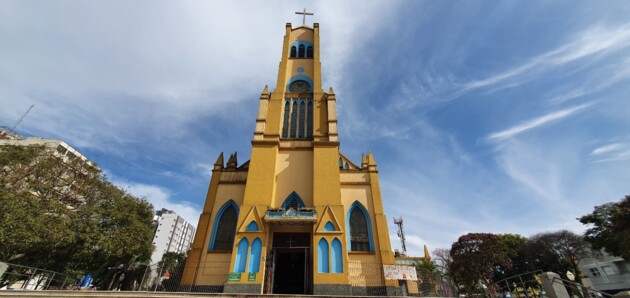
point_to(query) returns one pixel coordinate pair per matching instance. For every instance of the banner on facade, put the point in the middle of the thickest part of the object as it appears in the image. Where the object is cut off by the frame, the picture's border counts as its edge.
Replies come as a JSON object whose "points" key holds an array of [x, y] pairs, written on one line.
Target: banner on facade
{"points": [[400, 272]]}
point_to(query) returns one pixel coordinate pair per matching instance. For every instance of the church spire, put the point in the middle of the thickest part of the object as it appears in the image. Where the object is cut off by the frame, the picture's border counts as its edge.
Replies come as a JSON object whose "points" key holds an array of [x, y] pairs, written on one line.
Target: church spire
{"points": [[218, 165], [371, 162], [232, 162]]}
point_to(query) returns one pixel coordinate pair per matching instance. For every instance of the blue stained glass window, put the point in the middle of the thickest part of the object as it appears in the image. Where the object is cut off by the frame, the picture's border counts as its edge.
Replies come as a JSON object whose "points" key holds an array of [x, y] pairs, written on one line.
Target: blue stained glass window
{"points": [[322, 256], [337, 260], [241, 255], [254, 256]]}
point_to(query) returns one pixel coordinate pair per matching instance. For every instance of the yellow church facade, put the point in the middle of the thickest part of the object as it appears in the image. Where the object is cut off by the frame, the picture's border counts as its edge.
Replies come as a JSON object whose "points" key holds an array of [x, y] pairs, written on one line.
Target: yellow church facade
{"points": [[298, 217]]}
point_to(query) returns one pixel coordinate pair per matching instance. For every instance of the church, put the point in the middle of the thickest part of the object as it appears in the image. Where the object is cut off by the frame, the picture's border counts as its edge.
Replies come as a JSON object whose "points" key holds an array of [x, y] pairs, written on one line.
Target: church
{"points": [[298, 217]]}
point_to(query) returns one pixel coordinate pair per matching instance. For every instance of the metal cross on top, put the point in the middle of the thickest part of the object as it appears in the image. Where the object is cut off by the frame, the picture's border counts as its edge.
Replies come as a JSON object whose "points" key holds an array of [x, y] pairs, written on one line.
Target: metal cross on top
{"points": [[304, 14]]}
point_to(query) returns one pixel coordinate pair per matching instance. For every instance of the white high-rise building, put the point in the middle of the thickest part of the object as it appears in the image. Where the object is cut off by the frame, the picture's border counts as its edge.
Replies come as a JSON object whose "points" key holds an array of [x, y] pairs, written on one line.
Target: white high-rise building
{"points": [[172, 234]]}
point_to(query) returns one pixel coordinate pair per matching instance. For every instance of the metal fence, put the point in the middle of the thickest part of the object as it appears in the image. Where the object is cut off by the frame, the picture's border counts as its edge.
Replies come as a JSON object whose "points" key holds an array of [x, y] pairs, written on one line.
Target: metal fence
{"points": [[434, 284], [528, 285], [521, 285], [158, 278], [18, 277], [578, 290], [366, 279]]}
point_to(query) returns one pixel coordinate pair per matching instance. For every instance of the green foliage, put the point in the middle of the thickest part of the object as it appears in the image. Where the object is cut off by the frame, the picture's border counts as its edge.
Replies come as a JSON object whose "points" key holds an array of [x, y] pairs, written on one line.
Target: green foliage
{"points": [[61, 214], [518, 262], [475, 257], [173, 263], [611, 227], [426, 266], [558, 252], [171, 260]]}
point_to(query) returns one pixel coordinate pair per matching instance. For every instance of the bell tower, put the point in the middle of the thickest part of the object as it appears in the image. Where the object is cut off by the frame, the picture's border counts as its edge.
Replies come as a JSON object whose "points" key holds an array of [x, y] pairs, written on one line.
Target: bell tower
{"points": [[299, 78]]}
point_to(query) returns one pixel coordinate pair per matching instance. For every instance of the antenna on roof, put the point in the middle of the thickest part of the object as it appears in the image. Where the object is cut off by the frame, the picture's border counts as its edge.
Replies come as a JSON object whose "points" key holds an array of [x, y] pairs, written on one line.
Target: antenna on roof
{"points": [[21, 118], [401, 234]]}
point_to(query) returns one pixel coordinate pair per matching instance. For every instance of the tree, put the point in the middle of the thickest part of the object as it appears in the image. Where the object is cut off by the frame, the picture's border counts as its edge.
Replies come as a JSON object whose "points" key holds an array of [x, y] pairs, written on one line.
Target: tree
{"points": [[34, 194], [172, 265], [611, 227], [557, 251], [61, 214], [442, 257], [171, 260], [476, 257], [518, 263]]}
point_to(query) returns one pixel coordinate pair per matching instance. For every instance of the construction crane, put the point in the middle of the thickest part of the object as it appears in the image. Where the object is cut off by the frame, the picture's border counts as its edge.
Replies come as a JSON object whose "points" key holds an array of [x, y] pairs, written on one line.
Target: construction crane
{"points": [[401, 234], [21, 118]]}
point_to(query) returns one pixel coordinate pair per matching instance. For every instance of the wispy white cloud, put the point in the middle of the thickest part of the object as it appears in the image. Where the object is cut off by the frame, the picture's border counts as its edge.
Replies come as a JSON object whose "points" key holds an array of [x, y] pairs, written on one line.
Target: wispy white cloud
{"points": [[567, 96], [536, 122], [160, 198], [611, 152], [532, 169], [594, 40], [608, 148]]}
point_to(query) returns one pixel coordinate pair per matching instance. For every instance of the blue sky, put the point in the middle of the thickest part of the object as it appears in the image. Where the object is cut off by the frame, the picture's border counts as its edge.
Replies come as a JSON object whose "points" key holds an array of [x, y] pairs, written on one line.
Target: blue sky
{"points": [[484, 116]]}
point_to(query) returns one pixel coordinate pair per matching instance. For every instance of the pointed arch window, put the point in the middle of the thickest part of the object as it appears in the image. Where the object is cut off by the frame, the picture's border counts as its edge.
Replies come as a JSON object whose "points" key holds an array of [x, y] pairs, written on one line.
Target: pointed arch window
{"points": [[309, 52], [254, 256], [285, 125], [322, 256], [302, 116], [224, 227], [360, 234], [293, 52], [329, 227], [336, 259], [301, 52], [293, 201], [294, 113], [297, 120], [309, 119], [252, 226], [241, 255]]}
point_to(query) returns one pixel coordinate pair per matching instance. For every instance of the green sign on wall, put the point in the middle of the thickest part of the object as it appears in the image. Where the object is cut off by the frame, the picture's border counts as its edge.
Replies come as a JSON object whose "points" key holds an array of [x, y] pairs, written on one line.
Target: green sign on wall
{"points": [[234, 276], [251, 276]]}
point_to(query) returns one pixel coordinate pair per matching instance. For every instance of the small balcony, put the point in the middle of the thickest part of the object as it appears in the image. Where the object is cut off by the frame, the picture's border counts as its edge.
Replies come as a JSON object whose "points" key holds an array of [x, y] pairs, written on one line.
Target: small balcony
{"points": [[290, 217]]}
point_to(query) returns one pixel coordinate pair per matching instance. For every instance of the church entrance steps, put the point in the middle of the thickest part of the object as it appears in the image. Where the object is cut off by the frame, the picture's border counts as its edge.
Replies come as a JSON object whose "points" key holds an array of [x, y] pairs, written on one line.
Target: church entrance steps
{"points": [[111, 294]]}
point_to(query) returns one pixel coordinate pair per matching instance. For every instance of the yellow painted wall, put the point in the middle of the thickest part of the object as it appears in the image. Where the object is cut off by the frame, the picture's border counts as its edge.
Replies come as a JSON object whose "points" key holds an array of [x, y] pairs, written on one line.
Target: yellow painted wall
{"points": [[301, 34], [294, 172], [260, 185], [357, 177], [213, 269], [326, 185], [213, 262]]}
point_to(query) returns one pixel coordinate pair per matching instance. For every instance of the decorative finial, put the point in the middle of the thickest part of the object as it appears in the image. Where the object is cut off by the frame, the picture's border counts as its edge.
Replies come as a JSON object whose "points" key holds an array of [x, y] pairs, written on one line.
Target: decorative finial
{"points": [[304, 14]]}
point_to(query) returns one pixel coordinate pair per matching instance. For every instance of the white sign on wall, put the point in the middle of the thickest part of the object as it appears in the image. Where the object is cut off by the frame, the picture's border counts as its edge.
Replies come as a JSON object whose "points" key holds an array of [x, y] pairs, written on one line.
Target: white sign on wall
{"points": [[400, 272]]}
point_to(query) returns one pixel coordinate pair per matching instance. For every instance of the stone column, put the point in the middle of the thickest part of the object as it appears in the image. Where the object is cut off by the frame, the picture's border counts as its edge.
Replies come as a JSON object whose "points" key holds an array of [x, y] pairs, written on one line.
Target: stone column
{"points": [[553, 289]]}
